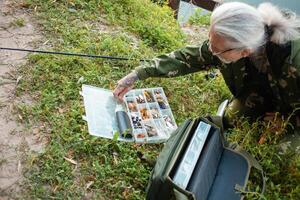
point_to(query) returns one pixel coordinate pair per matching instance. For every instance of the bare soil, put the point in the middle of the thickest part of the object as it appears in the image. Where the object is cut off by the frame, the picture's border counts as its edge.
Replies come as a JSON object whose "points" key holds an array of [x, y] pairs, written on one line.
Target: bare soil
{"points": [[18, 141]]}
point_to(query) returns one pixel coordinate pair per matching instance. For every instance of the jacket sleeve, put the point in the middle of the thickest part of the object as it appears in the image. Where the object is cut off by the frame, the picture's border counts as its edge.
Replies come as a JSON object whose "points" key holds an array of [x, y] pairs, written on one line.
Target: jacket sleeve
{"points": [[180, 62]]}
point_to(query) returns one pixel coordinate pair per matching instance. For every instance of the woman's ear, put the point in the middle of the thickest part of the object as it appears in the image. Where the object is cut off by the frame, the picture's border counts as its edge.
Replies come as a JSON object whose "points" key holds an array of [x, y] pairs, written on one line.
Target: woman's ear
{"points": [[246, 52]]}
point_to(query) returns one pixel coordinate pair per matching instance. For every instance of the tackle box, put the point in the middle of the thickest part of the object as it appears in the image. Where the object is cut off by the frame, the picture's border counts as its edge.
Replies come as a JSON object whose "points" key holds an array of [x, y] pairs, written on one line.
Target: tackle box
{"points": [[144, 116]]}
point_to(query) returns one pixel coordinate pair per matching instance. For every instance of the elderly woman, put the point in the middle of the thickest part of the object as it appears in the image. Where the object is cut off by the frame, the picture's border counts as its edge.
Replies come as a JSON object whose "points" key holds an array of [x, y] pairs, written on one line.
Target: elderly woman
{"points": [[256, 50]]}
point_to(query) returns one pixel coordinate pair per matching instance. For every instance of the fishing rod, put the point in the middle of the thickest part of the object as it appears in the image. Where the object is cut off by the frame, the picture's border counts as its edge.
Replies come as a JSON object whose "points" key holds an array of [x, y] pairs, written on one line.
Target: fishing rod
{"points": [[209, 75], [69, 54]]}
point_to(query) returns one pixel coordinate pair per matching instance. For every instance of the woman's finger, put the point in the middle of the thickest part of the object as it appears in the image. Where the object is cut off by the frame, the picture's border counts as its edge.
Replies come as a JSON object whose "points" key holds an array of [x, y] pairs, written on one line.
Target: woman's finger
{"points": [[118, 90], [123, 92]]}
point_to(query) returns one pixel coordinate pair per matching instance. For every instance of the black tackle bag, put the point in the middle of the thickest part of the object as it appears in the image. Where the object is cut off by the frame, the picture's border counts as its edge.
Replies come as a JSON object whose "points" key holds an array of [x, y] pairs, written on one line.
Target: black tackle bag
{"points": [[196, 163]]}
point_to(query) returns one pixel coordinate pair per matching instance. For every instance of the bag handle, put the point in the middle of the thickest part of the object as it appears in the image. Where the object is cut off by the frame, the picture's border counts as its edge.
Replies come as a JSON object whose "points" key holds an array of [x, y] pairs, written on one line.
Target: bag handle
{"points": [[218, 121], [253, 163]]}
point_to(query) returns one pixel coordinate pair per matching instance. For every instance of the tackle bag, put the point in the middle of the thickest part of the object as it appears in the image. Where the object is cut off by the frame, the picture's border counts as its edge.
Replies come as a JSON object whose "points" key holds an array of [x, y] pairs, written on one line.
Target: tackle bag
{"points": [[197, 164]]}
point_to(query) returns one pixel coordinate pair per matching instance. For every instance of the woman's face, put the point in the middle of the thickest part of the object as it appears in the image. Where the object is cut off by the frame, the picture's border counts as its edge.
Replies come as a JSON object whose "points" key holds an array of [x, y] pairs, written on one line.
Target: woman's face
{"points": [[217, 45]]}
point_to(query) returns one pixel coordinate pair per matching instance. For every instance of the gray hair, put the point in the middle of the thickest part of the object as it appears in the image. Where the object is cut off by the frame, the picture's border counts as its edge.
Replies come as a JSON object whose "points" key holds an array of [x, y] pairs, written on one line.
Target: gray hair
{"points": [[245, 26]]}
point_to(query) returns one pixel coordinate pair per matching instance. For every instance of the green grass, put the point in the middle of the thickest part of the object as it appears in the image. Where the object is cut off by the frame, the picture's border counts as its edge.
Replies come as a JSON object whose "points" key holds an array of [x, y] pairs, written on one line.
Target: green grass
{"points": [[282, 171], [20, 22], [198, 18], [107, 169]]}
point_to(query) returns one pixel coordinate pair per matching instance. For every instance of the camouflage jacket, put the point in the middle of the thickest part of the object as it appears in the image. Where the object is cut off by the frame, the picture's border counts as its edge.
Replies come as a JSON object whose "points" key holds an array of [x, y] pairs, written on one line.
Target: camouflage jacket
{"points": [[279, 76]]}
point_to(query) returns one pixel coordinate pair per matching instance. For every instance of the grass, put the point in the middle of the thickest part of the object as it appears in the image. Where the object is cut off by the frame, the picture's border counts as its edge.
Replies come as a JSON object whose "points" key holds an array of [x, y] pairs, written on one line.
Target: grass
{"points": [[282, 171], [74, 164], [19, 22], [199, 18]]}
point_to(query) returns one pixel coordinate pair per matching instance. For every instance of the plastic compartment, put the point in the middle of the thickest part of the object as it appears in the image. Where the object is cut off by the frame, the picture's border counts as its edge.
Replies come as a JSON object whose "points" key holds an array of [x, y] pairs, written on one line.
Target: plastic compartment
{"points": [[160, 98], [161, 128], [144, 111], [136, 120], [159, 91], [168, 119], [139, 97], [140, 135], [154, 110], [150, 129], [130, 94], [131, 104], [149, 96]]}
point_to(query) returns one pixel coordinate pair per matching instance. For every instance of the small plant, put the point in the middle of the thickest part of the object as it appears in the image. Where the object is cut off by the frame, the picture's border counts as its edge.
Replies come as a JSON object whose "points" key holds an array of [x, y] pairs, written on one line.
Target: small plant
{"points": [[20, 22]]}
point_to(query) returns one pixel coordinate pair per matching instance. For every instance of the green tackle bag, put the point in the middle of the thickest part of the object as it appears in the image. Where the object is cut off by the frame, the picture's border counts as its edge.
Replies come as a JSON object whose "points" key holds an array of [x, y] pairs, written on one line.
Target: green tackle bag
{"points": [[196, 163]]}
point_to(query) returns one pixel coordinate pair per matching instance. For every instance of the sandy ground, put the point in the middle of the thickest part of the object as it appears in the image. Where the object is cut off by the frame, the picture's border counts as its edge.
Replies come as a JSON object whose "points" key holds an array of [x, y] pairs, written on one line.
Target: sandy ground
{"points": [[17, 141], [195, 34]]}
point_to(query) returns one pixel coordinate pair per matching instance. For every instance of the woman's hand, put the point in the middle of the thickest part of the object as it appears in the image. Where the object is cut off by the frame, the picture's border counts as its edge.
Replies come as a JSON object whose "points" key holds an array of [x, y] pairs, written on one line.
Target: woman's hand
{"points": [[124, 85]]}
